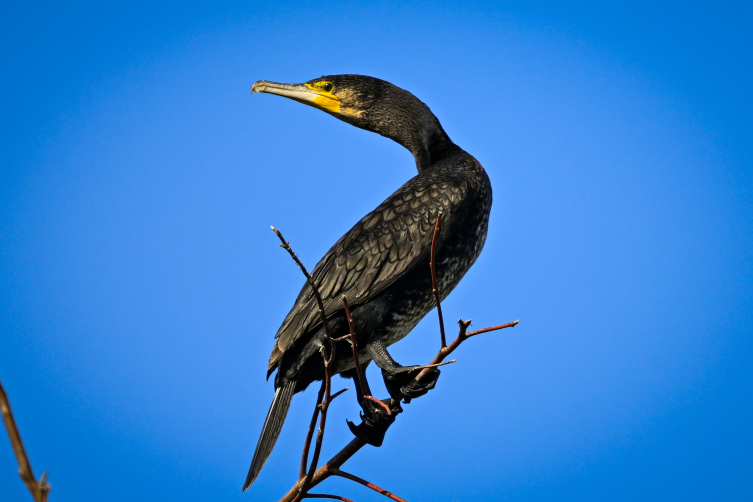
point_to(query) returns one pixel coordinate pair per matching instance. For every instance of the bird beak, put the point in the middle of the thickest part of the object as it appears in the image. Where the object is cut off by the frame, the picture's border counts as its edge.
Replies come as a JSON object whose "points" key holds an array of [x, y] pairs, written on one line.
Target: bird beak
{"points": [[303, 93]]}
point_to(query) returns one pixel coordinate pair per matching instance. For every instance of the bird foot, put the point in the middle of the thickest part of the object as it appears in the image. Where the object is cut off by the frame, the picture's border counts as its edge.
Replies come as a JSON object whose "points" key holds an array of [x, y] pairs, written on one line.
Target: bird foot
{"points": [[375, 420], [401, 383]]}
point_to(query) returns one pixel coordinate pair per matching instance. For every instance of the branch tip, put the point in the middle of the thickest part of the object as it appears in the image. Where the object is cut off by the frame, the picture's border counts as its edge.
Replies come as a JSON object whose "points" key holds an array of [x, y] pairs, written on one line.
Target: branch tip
{"points": [[332, 398]]}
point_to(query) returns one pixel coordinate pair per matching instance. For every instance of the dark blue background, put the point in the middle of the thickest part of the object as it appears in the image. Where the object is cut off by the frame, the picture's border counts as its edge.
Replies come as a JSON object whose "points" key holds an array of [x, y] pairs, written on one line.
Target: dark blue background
{"points": [[140, 285]]}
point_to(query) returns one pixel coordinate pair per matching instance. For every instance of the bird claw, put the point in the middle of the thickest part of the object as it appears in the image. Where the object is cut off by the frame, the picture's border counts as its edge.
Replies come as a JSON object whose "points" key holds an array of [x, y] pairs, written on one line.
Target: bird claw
{"points": [[374, 422], [401, 384]]}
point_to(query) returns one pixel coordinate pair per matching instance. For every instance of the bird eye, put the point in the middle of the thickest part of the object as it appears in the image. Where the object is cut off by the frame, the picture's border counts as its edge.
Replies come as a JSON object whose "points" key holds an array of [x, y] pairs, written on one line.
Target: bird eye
{"points": [[327, 87]]}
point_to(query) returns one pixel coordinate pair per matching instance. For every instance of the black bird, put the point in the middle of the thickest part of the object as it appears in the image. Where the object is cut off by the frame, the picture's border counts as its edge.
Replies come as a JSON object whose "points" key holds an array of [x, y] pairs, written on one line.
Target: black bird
{"points": [[382, 263]]}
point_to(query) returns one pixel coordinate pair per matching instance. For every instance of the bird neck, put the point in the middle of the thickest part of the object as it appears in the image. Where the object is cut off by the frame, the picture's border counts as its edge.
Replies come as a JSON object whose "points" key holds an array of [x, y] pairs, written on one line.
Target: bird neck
{"points": [[410, 123], [429, 145]]}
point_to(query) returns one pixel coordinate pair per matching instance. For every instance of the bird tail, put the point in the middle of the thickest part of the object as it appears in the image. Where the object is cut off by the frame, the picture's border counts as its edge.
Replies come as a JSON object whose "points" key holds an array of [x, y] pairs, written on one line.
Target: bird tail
{"points": [[270, 431]]}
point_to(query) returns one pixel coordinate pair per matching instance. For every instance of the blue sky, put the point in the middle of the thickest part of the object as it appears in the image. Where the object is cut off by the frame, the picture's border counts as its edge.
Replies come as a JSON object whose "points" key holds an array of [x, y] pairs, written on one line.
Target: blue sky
{"points": [[141, 286]]}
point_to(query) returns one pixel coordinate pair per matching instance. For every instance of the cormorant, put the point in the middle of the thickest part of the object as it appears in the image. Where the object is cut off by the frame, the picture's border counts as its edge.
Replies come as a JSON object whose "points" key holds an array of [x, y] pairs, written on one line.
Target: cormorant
{"points": [[382, 263]]}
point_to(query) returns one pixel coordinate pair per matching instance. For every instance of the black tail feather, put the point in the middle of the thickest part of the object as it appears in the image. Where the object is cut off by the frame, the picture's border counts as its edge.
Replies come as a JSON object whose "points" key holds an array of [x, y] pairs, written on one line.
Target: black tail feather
{"points": [[270, 431]]}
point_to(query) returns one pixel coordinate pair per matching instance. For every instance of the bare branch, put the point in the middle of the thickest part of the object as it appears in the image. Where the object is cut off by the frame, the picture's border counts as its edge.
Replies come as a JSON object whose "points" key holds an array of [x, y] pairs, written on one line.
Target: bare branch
{"points": [[326, 496], [363, 386], [310, 434], [38, 489], [462, 336], [434, 288], [286, 246], [305, 484], [322, 401], [337, 394], [367, 484], [493, 328], [327, 469]]}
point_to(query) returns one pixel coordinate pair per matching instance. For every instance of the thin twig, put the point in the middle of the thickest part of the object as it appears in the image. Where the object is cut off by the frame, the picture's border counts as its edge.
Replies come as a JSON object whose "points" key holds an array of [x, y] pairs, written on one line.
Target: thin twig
{"points": [[368, 484], [363, 385], [462, 336], [434, 288], [493, 328], [323, 418], [326, 496], [322, 404], [306, 482], [38, 489], [435, 365], [337, 394], [286, 246], [310, 434]]}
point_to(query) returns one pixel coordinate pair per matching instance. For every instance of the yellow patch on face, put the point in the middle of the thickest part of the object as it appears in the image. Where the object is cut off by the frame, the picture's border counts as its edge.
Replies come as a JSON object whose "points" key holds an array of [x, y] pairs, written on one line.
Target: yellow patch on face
{"points": [[351, 111], [325, 100]]}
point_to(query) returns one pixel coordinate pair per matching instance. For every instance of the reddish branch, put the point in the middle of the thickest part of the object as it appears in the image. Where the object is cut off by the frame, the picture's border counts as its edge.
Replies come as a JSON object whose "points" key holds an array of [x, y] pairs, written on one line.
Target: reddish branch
{"points": [[328, 469], [462, 336], [326, 496], [363, 386], [434, 287], [38, 489], [365, 483], [310, 434], [325, 398], [305, 485], [286, 246]]}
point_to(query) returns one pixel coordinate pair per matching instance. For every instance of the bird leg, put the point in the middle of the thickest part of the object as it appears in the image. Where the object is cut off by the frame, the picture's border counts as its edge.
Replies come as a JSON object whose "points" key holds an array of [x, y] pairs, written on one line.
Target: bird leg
{"points": [[363, 391], [398, 379], [376, 416], [401, 384]]}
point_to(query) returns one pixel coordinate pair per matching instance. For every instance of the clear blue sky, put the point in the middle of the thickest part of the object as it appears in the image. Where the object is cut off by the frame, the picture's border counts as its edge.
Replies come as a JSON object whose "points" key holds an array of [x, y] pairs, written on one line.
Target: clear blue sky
{"points": [[140, 285]]}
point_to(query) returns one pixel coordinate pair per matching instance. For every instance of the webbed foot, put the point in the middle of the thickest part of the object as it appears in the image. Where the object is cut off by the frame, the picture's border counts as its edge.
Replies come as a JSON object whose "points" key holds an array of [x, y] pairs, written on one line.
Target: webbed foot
{"points": [[375, 420], [400, 380], [401, 384]]}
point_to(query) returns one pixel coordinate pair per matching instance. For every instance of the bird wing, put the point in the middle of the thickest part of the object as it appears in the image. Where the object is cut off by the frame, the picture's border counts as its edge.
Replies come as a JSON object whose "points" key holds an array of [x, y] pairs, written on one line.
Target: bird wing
{"points": [[379, 249]]}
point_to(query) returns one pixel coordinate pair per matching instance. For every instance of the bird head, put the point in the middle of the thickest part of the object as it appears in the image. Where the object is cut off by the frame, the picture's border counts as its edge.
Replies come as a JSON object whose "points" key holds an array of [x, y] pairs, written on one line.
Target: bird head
{"points": [[347, 97], [372, 104]]}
